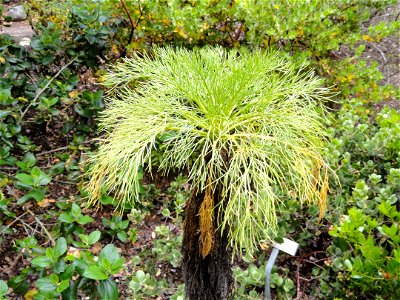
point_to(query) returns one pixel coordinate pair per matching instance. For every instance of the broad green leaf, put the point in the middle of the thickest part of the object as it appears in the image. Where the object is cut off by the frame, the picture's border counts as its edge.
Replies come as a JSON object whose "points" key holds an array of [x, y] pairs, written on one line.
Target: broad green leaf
{"points": [[25, 179], [54, 279], [50, 253], [29, 158], [105, 200], [393, 267], [124, 224], [59, 267], [167, 136], [43, 179], [3, 288], [60, 247], [84, 238], [63, 285], [390, 231], [66, 218], [108, 289], [81, 265], [76, 211], [68, 272], [38, 195], [388, 210], [348, 264], [4, 95], [80, 244], [372, 252], [109, 252], [106, 222], [46, 59], [71, 293], [134, 285], [41, 261], [37, 45], [46, 284], [94, 237], [140, 275], [4, 113], [95, 272], [105, 263], [83, 220], [122, 236], [116, 266], [35, 172]]}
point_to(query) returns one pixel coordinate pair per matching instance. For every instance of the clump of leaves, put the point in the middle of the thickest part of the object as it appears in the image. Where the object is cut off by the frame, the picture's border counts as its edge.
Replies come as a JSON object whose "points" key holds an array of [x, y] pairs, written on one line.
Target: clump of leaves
{"points": [[364, 256], [246, 122], [66, 272], [117, 227]]}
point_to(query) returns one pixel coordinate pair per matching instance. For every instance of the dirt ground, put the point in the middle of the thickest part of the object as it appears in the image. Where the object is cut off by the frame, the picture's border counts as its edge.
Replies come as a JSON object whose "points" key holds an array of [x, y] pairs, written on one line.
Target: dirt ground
{"points": [[387, 51]]}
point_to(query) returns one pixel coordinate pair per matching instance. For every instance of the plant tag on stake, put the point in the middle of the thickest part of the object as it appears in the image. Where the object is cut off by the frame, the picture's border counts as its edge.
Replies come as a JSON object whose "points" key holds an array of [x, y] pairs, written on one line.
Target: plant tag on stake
{"points": [[288, 246]]}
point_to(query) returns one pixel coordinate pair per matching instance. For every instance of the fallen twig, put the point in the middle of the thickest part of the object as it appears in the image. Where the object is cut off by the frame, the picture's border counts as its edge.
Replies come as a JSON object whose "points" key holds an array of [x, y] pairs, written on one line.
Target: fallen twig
{"points": [[15, 220], [315, 264], [380, 51], [52, 151], [64, 182], [298, 292], [9, 168], [40, 91], [43, 227], [34, 230], [64, 148]]}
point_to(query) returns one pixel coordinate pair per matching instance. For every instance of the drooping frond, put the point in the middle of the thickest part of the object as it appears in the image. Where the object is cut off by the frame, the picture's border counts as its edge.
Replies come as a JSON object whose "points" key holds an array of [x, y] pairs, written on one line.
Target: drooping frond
{"points": [[247, 122]]}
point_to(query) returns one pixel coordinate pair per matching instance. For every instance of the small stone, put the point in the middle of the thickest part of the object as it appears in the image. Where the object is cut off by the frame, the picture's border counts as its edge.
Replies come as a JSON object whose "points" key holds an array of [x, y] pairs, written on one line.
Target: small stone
{"points": [[25, 42], [17, 13]]}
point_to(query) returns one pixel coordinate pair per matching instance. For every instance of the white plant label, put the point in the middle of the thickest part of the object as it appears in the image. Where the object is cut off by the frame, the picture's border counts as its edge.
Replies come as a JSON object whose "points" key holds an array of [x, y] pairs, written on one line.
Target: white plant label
{"points": [[288, 246]]}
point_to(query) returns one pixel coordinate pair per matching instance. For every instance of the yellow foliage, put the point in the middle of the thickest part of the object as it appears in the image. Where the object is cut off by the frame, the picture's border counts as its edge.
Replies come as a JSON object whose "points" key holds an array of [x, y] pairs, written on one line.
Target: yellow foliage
{"points": [[367, 38], [179, 30], [73, 94], [350, 77], [300, 31], [206, 222], [30, 294], [323, 195]]}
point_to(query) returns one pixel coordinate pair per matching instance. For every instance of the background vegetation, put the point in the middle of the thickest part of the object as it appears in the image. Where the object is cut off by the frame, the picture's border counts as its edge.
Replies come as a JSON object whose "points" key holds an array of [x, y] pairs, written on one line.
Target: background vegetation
{"points": [[52, 244]]}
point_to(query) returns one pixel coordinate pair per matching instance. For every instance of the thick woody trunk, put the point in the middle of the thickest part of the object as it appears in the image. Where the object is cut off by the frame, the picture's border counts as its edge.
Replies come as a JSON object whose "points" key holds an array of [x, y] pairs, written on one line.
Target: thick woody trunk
{"points": [[210, 277]]}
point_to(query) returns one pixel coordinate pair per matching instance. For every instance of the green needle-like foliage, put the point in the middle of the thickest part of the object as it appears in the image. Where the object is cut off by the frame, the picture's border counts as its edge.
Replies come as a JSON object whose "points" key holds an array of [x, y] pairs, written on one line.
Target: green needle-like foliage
{"points": [[248, 123]]}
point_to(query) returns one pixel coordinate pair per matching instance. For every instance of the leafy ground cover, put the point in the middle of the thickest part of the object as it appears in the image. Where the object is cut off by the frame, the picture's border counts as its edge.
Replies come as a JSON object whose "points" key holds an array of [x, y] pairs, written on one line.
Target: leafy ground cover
{"points": [[52, 244]]}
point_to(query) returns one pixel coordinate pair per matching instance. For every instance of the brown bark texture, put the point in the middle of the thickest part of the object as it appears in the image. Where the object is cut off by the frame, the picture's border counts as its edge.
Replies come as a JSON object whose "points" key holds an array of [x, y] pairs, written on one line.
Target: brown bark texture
{"points": [[208, 278]]}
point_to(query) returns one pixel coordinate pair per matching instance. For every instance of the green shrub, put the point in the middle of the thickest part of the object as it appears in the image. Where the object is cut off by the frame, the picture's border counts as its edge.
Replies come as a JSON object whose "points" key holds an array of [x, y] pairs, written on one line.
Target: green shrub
{"points": [[313, 27], [364, 255], [64, 271]]}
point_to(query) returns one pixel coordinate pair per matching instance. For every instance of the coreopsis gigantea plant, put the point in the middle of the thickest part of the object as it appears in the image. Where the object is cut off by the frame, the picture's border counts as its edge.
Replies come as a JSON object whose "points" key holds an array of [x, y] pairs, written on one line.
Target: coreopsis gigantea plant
{"points": [[246, 126]]}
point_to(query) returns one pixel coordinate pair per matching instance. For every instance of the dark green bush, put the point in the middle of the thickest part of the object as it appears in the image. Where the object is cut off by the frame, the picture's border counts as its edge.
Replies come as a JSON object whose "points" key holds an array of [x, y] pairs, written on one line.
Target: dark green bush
{"points": [[311, 27], [364, 256]]}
